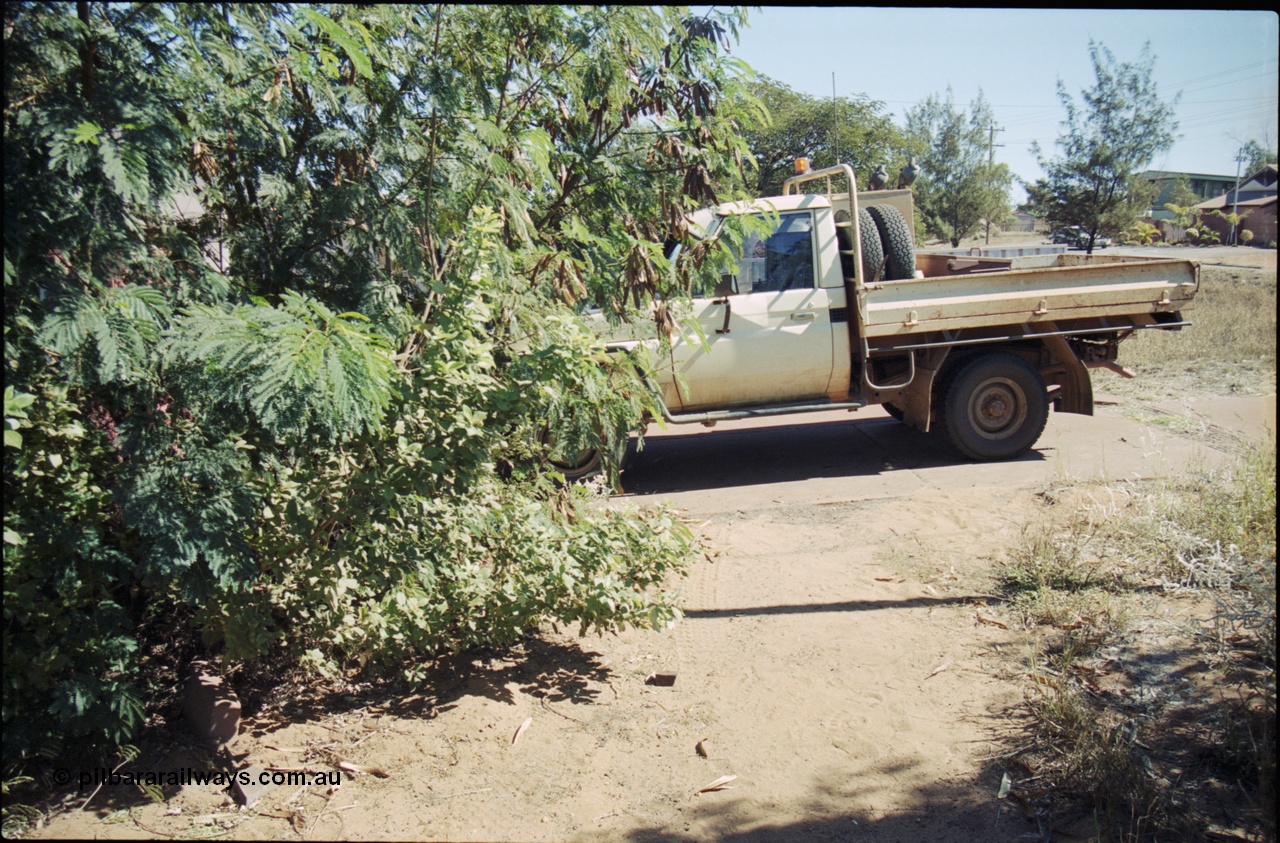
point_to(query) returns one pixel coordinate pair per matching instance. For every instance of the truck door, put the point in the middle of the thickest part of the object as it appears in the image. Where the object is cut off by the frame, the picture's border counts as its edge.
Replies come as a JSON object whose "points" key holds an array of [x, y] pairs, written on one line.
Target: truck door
{"points": [[768, 329]]}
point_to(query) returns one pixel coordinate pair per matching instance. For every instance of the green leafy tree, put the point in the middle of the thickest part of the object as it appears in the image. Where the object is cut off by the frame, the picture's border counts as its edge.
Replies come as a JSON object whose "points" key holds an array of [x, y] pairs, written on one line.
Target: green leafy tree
{"points": [[1257, 154], [1111, 136], [801, 125], [959, 186], [1180, 193], [310, 419]]}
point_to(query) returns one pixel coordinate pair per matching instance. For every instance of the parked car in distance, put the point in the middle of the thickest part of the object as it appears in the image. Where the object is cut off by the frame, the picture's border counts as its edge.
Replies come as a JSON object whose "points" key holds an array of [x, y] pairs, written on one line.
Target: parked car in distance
{"points": [[1077, 238]]}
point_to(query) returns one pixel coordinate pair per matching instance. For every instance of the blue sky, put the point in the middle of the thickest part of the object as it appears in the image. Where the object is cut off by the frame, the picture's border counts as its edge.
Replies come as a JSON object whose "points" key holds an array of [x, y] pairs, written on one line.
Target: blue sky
{"points": [[1224, 63]]}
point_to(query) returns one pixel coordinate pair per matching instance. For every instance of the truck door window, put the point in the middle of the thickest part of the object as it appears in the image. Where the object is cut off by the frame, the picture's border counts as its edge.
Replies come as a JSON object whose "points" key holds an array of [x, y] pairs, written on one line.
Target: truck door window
{"points": [[782, 261]]}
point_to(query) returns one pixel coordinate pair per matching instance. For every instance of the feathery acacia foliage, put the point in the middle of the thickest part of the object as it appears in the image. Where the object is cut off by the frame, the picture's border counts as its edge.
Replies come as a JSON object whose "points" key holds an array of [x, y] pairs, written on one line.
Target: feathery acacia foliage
{"points": [[1119, 126], [312, 411], [960, 186]]}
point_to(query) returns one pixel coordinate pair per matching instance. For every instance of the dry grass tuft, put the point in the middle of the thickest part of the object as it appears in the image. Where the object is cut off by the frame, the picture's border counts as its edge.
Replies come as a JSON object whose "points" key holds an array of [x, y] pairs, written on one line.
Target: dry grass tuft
{"points": [[1229, 350], [1148, 724]]}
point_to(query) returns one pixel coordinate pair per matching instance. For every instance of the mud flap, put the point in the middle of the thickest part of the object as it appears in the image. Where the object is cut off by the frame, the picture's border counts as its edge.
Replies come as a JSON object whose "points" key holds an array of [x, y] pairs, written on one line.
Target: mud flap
{"points": [[1076, 395], [918, 412]]}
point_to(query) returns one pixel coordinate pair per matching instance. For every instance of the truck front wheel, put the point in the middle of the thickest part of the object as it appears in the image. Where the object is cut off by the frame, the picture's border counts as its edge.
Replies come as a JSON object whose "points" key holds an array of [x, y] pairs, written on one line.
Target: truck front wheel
{"points": [[995, 407], [575, 465]]}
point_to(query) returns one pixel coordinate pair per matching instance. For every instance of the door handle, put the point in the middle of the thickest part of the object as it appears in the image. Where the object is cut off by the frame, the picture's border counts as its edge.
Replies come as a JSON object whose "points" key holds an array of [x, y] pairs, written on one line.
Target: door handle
{"points": [[804, 316], [728, 309]]}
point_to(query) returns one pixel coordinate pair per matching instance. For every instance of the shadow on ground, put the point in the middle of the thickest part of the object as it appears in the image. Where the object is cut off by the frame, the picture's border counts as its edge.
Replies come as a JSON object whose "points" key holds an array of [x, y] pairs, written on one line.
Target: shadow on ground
{"points": [[554, 671], [845, 806], [748, 456]]}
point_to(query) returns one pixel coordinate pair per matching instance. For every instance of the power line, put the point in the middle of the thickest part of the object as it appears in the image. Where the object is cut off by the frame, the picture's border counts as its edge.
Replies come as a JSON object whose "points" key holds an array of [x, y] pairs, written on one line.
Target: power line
{"points": [[1184, 84], [1226, 72]]}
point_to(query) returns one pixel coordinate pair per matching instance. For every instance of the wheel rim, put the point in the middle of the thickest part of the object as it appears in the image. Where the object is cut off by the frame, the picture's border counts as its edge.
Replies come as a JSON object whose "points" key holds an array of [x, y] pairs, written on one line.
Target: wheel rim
{"points": [[998, 408], [572, 461]]}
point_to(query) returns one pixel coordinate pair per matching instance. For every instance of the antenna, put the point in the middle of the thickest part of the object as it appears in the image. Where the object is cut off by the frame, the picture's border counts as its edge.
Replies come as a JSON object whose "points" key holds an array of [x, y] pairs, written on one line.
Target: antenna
{"points": [[835, 119]]}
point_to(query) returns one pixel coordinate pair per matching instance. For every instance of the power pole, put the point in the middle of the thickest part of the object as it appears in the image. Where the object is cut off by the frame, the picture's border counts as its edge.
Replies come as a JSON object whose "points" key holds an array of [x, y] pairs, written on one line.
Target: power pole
{"points": [[1235, 198], [991, 162]]}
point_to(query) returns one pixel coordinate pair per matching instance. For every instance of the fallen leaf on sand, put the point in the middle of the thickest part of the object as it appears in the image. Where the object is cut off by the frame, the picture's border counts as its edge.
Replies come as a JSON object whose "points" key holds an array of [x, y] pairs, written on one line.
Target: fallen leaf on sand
{"points": [[718, 784], [364, 768], [701, 748], [525, 725]]}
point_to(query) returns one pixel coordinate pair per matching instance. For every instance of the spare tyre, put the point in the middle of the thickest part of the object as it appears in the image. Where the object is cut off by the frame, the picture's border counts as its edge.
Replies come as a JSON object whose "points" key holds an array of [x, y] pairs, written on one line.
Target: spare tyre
{"points": [[895, 238], [872, 250]]}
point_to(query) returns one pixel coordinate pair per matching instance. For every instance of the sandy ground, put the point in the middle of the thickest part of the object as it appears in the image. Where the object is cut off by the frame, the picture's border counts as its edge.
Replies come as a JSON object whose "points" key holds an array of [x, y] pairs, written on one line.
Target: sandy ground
{"points": [[836, 657]]}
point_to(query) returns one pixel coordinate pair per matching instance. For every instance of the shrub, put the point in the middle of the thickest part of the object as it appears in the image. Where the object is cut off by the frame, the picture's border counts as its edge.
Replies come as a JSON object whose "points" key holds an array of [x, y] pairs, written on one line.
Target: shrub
{"points": [[68, 653], [326, 447], [1141, 233]]}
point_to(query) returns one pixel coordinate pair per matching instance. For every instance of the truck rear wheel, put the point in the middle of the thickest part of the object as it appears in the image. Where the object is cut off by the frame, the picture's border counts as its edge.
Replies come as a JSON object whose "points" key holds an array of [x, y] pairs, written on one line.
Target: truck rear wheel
{"points": [[995, 407], [895, 237]]}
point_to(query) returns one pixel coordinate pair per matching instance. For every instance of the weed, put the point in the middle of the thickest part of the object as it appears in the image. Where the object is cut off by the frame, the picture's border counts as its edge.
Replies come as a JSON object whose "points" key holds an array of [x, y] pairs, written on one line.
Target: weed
{"points": [[1091, 574], [17, 816], [1102, 758], [1049, 559]]}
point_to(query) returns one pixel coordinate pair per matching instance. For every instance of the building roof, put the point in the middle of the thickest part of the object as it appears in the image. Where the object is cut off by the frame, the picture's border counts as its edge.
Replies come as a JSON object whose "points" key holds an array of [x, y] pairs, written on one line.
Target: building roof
{"points": [[1157, 175], [1265, 177], [1262, 181], [1224, 201]]}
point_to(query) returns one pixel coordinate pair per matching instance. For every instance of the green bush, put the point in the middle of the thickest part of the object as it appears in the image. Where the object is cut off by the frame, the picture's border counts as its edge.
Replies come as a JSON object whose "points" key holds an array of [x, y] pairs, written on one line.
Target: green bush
{"points": [[307, 424], [69, 648]]}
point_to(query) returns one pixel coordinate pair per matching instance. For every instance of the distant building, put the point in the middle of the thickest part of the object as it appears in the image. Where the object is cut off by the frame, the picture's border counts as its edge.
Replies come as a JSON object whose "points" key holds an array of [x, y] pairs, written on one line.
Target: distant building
{"points": [[1025, 222], [1255, 203], [1202, 185]]}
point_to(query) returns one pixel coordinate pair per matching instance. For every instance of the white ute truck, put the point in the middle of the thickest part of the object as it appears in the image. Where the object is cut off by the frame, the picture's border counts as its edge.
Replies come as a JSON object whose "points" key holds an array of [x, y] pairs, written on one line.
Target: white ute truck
{"points": [[836, 310]]}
